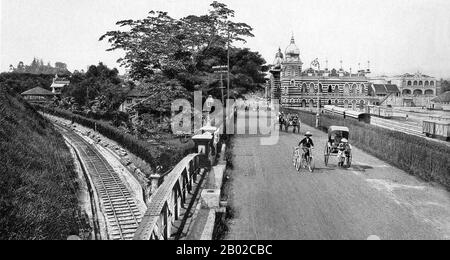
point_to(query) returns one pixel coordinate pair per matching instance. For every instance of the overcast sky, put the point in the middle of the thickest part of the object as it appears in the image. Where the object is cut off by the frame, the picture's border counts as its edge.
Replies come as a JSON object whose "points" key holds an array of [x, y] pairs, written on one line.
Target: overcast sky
{"points": [[397, 36]]}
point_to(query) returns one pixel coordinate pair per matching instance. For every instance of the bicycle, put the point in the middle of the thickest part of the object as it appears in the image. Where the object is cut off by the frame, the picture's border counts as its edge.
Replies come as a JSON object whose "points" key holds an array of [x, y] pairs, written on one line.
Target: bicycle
{"points": [[296, 158], [308, 162]]}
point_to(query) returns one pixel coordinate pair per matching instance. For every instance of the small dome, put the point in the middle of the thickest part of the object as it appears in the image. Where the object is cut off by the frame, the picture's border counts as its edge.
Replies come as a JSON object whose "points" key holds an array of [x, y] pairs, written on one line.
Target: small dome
{"points": [[292, 49]]}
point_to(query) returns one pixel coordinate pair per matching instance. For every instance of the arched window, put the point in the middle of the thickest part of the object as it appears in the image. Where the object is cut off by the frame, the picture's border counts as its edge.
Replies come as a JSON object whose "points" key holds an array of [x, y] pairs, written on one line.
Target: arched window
{"points": [[354, 105], [429, 92], [431, 83], [311, 88], [417, 92], [427, 83], [346, 89], [363, 88], [304, 87], [353, 91], [406, 92], [420, 83], [336, 89], [361, 104], [415, 83], [409, 83]]}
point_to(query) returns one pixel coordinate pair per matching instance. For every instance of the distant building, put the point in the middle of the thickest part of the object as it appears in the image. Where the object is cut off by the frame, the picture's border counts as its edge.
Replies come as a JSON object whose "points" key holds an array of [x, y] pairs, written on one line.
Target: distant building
{"points": [[415, 89], [58, 84], [442, 101], [133, 97], [298, 88], [38, 94]]}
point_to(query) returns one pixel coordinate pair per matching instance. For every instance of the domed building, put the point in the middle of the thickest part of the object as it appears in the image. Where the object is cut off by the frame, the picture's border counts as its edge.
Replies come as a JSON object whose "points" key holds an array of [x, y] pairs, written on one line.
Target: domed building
{"points": [[299, 88]]}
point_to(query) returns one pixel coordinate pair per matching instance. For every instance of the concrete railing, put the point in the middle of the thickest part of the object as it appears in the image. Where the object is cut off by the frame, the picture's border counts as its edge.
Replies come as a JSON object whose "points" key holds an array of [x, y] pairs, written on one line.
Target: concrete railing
{"points": [[165, 205]]}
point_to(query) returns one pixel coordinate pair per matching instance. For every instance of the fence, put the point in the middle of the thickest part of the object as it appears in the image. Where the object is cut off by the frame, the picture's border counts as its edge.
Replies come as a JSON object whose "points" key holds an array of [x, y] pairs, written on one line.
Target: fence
{"points": [[165, 205]]}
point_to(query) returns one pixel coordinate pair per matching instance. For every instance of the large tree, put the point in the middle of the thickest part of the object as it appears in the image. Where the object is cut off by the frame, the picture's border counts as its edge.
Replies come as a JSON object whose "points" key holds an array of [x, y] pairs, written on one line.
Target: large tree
{"points": [[162, 43]]}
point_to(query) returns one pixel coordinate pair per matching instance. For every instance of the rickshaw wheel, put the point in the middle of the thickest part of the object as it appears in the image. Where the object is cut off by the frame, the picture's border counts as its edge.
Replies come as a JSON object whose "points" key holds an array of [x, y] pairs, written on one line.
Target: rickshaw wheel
{"points": [[326, 155], [349, 161], [298, 164]]}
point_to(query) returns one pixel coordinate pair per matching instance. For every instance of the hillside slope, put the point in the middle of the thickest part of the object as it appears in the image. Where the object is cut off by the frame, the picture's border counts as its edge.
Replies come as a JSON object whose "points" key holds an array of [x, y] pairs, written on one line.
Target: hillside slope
{"points": [[37, 177]]}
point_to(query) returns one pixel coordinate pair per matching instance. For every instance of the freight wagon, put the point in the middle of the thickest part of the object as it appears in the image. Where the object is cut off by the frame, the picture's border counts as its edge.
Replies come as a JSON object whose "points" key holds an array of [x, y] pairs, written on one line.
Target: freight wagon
{"points": [[437, 129], [384, 112]]}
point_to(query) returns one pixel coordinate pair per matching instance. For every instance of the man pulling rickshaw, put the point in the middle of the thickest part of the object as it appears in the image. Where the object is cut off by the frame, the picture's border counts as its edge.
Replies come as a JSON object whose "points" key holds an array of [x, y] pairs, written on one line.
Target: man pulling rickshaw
{"points": [[338, 146]]}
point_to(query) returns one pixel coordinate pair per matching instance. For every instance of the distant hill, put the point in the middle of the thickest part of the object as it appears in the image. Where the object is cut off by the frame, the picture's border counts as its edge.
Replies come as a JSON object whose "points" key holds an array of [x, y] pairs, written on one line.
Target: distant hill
{"points": [[37, 66], [37, 177]]}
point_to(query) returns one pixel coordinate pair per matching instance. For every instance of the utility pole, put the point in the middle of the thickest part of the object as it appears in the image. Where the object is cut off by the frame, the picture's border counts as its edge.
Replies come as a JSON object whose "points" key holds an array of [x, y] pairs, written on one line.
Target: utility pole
{"points": [[228, 61], [319, 93], [221, 70]]}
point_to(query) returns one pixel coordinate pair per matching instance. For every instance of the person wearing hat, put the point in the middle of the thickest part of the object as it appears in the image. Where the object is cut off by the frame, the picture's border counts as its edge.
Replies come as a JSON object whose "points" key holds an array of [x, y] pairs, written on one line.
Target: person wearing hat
{"points": [[342, 149], [306, 144]]}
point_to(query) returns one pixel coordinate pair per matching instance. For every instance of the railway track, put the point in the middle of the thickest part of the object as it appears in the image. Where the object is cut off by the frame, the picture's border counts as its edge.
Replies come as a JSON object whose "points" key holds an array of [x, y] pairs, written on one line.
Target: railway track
{"points": [[120, 209], [401, 127], [407, 128]]}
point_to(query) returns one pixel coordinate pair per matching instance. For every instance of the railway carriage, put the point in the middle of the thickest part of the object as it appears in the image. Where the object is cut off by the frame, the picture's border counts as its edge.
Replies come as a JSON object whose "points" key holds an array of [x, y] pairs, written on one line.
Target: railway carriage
{"points": [[383, 112], [437, 129], [347, 114]]}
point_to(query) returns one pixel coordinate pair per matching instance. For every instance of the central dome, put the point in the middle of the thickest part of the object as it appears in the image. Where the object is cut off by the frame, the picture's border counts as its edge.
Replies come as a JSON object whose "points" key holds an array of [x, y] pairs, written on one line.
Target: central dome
{"points": [[292, 49]]}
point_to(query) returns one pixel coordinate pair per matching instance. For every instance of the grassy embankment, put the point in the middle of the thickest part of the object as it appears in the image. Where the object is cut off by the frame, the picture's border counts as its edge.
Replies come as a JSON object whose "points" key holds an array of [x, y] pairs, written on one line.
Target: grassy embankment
{"points": [[166, 156], [38, 184], [420, 157]]}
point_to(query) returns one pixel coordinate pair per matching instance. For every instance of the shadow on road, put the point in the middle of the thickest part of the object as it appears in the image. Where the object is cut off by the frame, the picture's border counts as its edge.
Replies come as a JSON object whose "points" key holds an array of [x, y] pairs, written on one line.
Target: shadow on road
{"points": [[361, 168]]}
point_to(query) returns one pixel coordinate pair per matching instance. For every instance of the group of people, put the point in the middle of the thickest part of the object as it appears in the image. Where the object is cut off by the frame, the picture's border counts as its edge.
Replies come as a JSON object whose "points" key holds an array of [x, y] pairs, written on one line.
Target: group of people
{"points": [[339, 143], [288, 120]]}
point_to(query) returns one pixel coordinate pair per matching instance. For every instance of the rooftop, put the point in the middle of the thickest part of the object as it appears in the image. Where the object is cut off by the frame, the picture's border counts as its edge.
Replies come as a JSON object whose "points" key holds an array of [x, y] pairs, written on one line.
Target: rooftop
{"points": [[444, 97], [385, 88], [38, 91]]}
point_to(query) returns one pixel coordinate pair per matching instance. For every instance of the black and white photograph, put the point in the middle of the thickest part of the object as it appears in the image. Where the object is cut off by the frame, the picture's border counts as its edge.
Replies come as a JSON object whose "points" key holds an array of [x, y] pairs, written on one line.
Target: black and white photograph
{"points": [[213, 123]]}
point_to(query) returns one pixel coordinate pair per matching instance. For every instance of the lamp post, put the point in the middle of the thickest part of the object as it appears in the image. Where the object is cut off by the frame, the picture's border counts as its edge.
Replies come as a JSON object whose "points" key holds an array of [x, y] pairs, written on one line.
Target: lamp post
{"points": [[319, 93], [228, 61]]}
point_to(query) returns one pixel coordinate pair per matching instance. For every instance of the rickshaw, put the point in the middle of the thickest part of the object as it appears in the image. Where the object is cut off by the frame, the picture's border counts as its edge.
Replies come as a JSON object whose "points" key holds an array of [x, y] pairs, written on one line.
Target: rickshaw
{"points": [[335, 147]]}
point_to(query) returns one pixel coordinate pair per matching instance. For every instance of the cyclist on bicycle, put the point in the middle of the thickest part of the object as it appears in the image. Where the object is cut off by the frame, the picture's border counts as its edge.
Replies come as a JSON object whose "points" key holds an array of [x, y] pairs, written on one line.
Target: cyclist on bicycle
{"points": [[306, 144]]}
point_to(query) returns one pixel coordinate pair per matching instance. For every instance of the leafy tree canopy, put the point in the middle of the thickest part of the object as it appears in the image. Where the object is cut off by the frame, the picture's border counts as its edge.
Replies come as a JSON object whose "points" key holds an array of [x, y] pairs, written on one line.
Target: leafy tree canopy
{"points": [[186, 49], [160, 42], [100, 87]]}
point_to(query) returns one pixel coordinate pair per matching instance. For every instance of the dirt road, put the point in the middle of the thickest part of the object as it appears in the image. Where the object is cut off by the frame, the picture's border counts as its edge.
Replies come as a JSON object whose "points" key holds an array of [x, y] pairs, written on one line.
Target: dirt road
{"points": [[273, 201]]}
